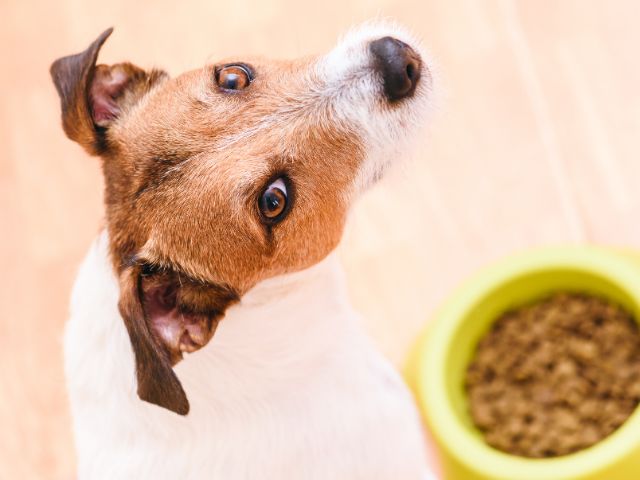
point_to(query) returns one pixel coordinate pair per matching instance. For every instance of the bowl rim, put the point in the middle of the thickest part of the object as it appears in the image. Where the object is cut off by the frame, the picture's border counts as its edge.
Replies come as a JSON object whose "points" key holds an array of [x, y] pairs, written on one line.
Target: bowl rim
{"points": [[451, 434]]}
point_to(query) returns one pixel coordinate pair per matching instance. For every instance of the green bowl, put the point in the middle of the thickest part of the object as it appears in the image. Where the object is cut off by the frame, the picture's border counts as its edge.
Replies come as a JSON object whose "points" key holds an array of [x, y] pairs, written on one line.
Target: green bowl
{"points": [[438, 363]]}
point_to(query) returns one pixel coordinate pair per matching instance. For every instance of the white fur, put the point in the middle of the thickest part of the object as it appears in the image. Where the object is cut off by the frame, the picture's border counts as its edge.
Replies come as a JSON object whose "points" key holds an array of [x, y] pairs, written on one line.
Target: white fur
{"points": [[289, 388]]}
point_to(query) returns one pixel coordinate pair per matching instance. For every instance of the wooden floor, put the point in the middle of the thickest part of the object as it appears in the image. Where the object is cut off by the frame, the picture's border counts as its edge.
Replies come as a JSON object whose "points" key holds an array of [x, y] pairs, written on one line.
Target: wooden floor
{"points": [[536, 141]]}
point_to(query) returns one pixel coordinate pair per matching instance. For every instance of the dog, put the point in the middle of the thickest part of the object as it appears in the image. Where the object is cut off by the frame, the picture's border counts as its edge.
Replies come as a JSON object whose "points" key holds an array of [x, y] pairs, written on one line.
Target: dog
{"points": [[227, 189]]}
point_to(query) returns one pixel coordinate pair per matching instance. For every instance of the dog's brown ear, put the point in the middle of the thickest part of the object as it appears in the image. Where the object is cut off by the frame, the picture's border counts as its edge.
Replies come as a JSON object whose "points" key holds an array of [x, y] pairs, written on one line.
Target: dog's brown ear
{"points": [[168, 314], [92, 97], [157, 383]]}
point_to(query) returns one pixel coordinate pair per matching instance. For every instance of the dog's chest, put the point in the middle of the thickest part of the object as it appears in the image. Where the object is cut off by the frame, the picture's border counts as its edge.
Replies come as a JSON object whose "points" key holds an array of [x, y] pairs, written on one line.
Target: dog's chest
{"points": [[285, 390]]}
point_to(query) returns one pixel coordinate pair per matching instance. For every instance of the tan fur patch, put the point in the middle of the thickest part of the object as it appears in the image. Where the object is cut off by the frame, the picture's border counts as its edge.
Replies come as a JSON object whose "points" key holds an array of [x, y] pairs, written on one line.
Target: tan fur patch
{"points": [[191, 198]]}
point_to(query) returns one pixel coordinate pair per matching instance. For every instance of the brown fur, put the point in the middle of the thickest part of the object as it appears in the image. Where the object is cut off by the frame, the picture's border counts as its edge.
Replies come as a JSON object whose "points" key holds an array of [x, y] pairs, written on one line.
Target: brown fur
{"points": [[181, 194], [156, 381]]}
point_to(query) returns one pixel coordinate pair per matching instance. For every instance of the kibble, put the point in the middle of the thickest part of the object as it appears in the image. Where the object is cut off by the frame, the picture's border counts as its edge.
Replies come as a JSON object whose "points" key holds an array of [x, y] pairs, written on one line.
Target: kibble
{"points": [[555, 377]]}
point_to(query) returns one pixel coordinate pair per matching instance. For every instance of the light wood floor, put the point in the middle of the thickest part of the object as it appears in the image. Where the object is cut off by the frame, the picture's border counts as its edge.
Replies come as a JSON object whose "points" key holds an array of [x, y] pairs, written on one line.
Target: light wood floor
{"points": [[536, 141]]}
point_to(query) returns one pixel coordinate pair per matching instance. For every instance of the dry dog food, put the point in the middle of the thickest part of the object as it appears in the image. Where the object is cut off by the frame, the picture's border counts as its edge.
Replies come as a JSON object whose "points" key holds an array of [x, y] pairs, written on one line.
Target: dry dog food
{"points": [[555, 377]]}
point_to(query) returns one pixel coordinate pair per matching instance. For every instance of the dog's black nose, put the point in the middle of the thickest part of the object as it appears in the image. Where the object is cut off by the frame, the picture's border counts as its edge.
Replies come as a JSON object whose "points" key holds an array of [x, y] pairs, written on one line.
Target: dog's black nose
{"points": [[398, 64]]}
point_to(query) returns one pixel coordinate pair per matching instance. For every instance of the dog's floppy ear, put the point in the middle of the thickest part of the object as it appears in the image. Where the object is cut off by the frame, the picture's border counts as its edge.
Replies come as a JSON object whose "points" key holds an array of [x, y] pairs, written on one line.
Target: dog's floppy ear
{"points": [[92, 97], [157, 383], [167, 314]]}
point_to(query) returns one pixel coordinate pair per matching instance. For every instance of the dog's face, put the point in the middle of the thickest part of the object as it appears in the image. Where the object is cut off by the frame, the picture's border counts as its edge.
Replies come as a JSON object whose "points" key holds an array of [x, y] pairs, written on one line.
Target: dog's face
{"points": [[231, 174]]}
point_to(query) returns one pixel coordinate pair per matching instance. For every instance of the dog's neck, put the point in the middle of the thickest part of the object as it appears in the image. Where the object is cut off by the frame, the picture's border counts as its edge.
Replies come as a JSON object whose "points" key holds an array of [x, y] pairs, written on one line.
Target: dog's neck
{"points": [[283, 330], [279, 313]]}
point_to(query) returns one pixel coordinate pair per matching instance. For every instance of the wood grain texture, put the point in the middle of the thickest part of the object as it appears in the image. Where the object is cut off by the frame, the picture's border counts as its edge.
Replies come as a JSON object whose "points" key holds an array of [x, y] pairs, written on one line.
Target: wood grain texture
{"points": [[535, 142]]}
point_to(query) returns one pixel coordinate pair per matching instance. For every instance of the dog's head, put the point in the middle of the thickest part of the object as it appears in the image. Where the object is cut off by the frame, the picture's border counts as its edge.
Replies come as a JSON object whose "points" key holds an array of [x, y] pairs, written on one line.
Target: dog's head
{"points": [[231, 174]]}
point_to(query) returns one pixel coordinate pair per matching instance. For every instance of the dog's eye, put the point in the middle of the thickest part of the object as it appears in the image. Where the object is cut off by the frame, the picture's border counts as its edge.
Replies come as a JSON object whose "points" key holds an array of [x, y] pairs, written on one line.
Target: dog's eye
{"points": [[273, 201], [233, 77]]}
